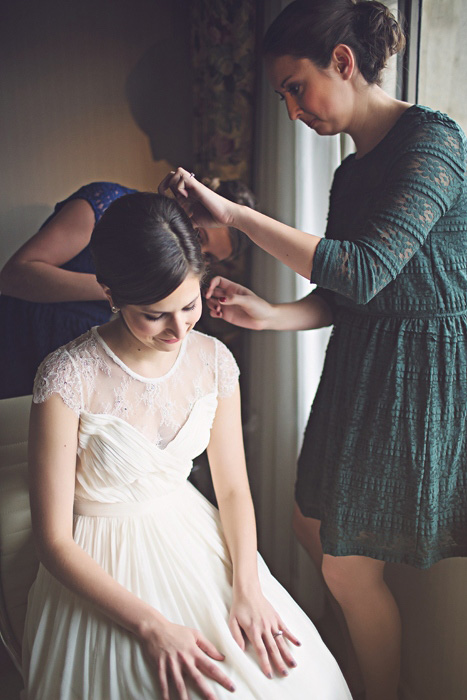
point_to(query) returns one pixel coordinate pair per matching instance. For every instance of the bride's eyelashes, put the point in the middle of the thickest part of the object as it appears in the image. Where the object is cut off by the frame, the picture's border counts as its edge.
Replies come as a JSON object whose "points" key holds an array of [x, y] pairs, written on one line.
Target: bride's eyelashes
{"points": [[157, 318]]}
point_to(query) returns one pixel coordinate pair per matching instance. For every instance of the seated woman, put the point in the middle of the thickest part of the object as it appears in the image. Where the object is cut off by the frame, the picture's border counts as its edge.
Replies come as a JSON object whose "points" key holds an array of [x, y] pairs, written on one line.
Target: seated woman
{"points": [[145, 590], [49, 290]]}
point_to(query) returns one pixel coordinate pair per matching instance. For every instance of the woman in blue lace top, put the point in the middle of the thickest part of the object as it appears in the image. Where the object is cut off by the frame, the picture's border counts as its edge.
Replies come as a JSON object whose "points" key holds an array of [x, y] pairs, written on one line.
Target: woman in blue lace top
{"points": [[383, 469]]}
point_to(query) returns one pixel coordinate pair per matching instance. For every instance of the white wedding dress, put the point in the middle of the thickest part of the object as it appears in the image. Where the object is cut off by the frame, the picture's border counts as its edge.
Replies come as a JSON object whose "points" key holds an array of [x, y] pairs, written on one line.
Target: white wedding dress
{"points": [[137, 515]]}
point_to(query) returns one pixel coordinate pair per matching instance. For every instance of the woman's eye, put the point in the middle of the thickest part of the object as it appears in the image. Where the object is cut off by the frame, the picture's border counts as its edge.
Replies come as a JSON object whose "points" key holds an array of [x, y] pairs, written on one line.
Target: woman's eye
{"points": [[294, 89], [190, 308], [152, 318]]}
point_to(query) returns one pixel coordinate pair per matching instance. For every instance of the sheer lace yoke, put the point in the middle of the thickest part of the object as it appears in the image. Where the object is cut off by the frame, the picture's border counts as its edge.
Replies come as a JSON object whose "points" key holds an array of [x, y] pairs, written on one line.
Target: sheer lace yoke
{"points": [[90, 378]]}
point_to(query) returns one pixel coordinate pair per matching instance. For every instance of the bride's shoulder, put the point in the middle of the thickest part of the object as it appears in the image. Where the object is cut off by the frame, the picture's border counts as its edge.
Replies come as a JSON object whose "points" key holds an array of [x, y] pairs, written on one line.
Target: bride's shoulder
{"points": [[60, 373], [201, 342], [217, 356], [83, 346]]}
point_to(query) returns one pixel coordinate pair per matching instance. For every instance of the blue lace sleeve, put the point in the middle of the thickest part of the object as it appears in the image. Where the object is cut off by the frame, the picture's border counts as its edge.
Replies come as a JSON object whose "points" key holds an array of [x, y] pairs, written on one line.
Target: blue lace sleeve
{"points": [[99, 195]]}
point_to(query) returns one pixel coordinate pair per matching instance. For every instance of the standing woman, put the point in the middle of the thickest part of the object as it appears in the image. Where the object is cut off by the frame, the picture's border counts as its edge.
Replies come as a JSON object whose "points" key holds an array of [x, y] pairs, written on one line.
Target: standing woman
{"points": [[382, 472]]}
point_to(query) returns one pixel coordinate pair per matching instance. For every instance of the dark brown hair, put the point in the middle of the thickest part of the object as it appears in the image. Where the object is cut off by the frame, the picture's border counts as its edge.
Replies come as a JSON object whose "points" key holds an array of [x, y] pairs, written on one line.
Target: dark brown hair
{"points": [[313, 28], [143, 248]]}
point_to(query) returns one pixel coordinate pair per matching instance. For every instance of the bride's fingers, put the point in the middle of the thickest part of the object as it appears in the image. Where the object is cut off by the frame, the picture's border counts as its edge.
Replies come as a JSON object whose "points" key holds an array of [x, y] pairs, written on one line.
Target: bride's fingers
{"points": [[209, 648], [178, 680], [284, 651], [237, 634], [163, 679], [275, 655], [200, 681], [261, 652], [289, 635]]}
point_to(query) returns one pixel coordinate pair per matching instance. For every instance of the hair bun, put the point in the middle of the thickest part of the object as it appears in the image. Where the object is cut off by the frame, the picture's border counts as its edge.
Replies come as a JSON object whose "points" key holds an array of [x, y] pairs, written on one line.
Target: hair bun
{"points": [[379, 31], [313, 28]]}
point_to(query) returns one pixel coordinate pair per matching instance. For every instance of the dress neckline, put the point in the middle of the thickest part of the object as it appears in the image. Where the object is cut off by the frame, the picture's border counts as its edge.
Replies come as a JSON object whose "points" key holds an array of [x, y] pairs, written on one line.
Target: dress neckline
{"points": [[396, 124], [128, 370]]}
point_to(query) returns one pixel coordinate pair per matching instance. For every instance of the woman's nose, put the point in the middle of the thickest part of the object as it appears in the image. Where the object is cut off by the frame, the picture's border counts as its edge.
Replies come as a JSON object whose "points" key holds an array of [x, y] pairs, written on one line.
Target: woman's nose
{"points": [[178, 326], [293, 108]]}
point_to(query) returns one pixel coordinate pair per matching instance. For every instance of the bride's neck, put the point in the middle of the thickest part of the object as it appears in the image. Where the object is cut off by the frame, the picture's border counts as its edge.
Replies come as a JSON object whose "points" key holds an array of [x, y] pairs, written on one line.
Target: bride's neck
{"points": [[147, 361]]}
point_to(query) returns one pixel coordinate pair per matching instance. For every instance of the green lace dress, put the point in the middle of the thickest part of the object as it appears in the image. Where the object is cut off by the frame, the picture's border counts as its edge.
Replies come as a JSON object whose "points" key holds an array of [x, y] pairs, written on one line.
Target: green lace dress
{"points": [[384, 459]]}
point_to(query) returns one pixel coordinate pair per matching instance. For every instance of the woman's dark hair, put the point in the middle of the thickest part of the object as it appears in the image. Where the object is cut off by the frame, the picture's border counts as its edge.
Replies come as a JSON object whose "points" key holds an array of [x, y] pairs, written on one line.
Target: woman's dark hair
{"points": [[236, 191], [143, 248], [313, 28]]}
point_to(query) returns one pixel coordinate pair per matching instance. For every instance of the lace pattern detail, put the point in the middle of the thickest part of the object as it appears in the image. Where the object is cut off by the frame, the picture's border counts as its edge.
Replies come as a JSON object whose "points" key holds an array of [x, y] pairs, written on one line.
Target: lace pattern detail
{"points": [[227, 371], [423, 182], [99, 195], [87, 376]]}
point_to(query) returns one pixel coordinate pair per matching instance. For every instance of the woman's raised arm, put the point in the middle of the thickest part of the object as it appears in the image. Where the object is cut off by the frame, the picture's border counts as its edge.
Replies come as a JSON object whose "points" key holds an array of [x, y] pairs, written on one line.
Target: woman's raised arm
{"points": [[291, 246]]}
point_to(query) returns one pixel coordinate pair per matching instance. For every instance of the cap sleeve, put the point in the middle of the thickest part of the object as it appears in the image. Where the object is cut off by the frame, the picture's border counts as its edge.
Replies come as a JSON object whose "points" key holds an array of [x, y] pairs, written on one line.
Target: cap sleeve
{"points": [[227, 371], [57, 375]]}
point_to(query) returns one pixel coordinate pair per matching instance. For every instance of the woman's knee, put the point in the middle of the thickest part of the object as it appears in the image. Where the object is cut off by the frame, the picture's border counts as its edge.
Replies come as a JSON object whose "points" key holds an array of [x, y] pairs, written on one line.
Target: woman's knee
{"points": [[350, 578]]}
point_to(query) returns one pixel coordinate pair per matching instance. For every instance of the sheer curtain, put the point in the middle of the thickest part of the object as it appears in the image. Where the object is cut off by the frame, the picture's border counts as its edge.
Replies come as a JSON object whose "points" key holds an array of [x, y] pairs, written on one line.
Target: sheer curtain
{"points": [[293, 178]]}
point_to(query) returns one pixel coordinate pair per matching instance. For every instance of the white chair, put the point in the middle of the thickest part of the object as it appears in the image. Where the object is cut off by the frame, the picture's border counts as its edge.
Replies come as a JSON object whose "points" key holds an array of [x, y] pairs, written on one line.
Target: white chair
{"points": [[18, 560]]}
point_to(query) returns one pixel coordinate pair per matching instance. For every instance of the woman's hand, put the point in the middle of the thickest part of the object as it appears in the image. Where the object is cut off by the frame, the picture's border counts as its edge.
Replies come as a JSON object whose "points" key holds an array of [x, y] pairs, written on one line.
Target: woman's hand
{"points": [[237, 304], [253, 616], [180, 654], [203, 206]]}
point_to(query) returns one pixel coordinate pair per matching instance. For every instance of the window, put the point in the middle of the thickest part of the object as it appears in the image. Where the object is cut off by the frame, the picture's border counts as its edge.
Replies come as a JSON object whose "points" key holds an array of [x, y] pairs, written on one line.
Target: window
{"points": [[442, 56]]}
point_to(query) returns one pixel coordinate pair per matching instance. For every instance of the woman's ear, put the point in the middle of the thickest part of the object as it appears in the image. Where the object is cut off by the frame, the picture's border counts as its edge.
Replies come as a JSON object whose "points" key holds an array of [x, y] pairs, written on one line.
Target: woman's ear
{"points": [[107, 293], [343, 61]]}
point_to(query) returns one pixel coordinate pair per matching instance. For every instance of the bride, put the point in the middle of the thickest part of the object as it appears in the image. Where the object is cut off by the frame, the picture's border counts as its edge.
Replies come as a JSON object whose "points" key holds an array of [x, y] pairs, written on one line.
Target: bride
{"points": [[145, 590]]}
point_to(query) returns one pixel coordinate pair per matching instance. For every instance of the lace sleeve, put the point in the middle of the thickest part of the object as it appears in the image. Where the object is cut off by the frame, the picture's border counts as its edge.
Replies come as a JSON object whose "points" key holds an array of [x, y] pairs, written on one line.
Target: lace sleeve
{"points": [[422, 184], [227, 371], [99, 195], [57, 375]]}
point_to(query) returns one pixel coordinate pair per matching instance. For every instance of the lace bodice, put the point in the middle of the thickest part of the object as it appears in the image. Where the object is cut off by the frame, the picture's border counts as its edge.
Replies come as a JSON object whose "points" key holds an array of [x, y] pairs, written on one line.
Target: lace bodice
{"points": [[90, 378]]}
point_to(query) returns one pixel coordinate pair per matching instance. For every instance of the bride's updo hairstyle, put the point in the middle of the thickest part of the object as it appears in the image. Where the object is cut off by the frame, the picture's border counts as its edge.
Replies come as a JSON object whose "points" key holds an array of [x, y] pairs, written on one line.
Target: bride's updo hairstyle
{"points": [[313, 28], [143, 247]]}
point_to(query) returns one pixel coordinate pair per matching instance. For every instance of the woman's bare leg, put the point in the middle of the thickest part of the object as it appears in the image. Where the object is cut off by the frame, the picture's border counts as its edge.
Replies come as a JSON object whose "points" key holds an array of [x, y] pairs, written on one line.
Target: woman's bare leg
{"points": [[372, 618], [307, 532]]}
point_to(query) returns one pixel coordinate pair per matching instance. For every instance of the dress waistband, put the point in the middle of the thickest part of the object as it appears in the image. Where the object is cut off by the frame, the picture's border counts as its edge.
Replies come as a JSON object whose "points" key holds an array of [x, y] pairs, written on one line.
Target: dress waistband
{"points": [[112, 510]]}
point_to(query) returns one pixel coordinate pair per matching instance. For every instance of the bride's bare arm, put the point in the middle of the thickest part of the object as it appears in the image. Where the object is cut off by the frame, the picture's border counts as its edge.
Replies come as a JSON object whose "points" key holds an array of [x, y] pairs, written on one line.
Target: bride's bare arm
{"points": [[251, 612], [52, 460]]}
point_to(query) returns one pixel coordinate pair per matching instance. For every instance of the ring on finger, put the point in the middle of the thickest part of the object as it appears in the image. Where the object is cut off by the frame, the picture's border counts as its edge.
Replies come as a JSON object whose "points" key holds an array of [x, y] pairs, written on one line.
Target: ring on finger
{"points": [[277, 634], [192, 175]]}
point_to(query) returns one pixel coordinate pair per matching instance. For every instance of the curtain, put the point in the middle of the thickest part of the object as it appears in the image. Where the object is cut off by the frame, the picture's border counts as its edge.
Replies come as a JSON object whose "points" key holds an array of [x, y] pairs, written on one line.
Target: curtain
{"points": [[224, 63], [223, 53], [292, 181]]}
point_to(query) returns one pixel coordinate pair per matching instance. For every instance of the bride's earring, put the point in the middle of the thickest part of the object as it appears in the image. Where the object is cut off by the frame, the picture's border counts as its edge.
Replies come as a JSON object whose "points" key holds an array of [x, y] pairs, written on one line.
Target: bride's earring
{"points": [[114, 309]]}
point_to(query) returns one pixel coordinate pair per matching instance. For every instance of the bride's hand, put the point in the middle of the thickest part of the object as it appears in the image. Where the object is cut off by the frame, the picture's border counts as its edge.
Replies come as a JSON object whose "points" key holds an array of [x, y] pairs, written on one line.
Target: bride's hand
{"points": [[181, 653], [203, 206], [254, 617], [237, 304]]}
